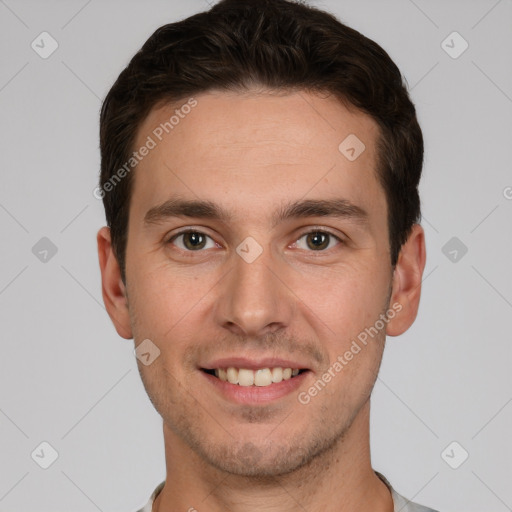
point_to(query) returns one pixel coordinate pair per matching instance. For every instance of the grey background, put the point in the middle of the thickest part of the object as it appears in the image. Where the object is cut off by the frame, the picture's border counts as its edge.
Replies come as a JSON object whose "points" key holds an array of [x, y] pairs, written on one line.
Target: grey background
{"points": [[68, 379]]}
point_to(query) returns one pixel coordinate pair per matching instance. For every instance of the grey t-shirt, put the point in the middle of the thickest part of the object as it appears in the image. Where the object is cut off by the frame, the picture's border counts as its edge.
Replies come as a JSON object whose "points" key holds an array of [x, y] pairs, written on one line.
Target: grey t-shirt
{"points": [[401, 504]]}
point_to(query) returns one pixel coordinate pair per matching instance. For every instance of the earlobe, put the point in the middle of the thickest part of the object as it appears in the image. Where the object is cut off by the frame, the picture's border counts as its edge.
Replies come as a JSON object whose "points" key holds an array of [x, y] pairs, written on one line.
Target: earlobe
{"points": [[407, 279], [113, 288]]}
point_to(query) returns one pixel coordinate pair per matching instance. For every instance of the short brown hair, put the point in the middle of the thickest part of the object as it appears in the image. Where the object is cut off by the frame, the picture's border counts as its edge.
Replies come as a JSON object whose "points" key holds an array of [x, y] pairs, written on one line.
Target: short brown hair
{"points": [[273, 44]]}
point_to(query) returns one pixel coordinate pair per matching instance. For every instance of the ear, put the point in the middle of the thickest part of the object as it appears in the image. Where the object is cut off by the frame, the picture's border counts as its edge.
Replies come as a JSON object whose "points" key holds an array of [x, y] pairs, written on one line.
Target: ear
{"points": [[407, 278], [113, 288]]}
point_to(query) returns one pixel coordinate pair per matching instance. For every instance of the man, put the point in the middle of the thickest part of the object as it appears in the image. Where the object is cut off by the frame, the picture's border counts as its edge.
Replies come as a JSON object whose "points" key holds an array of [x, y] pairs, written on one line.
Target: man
{"points": [[260, 169]]}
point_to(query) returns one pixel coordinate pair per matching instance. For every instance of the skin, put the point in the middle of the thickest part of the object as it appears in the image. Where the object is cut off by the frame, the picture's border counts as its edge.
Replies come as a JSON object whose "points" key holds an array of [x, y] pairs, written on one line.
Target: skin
{"points": [[249, 153]]}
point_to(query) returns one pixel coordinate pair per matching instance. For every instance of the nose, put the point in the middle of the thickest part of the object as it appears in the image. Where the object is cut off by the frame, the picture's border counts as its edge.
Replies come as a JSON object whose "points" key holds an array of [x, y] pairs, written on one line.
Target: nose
{"points": [[253, 298]]}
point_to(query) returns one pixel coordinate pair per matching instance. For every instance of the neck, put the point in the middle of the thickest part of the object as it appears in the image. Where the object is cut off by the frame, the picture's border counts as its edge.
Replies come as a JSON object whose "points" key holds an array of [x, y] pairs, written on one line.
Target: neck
{"points": [[340, 480]]}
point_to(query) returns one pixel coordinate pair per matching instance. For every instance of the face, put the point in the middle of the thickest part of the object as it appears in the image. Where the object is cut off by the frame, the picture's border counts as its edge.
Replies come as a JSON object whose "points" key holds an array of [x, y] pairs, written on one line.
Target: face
{"points": [[256, 244]]}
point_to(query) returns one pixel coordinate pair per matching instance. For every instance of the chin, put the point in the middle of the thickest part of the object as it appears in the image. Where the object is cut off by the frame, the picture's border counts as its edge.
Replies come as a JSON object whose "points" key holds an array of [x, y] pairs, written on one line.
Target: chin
{"points": [[268, 460]]}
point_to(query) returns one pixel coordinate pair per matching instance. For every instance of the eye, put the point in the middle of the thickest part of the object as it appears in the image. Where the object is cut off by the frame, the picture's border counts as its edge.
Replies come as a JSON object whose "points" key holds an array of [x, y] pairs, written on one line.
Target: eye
{"points": [[318, 240], [191, 240]]}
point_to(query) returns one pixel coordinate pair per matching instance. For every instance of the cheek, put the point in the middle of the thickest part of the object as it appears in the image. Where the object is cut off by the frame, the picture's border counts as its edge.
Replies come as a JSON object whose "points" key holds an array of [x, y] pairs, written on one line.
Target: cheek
{"points": [[172, 308], [158, 303], [161, 288], [350, 299]]}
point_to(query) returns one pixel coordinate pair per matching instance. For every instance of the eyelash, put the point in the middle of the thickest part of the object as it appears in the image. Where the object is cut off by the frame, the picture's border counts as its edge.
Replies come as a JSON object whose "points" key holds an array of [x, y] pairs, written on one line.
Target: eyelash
{"points": [[312, 231]]}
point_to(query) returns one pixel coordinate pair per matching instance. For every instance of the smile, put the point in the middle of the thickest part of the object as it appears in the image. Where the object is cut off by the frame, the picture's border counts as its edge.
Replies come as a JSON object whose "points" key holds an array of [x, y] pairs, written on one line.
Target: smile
{"points": [[261, 377]]}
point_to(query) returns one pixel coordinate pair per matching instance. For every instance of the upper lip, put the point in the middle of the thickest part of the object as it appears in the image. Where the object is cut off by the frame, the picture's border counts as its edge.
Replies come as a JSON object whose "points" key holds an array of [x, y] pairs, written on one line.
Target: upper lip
{"points": [[254, 364]]}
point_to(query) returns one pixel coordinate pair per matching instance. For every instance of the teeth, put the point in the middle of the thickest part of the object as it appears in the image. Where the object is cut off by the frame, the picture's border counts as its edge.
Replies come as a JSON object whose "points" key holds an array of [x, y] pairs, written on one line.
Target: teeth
{"points": [[232, 375], [262, 377], [277, 374], [245, 377]]}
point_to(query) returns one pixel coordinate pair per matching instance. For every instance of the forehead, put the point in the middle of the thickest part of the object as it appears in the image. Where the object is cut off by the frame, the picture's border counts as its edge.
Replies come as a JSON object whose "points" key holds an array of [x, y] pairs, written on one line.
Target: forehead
{"points": [[257, 146], [232, 121]]}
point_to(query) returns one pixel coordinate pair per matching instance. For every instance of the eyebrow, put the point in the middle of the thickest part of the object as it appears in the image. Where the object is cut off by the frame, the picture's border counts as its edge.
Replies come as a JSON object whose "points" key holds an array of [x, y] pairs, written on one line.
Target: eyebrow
{"points": [[338, 208]]}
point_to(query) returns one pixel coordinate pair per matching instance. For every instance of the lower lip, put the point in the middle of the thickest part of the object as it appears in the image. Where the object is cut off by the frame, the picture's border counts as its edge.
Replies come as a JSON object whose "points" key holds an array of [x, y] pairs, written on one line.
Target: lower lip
{"points": [[256, 394]]}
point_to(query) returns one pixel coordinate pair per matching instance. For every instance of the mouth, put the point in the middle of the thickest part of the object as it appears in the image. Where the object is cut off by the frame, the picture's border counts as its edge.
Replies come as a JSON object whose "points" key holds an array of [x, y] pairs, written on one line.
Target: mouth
{"points": [[255, 380], [260, 377]]}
